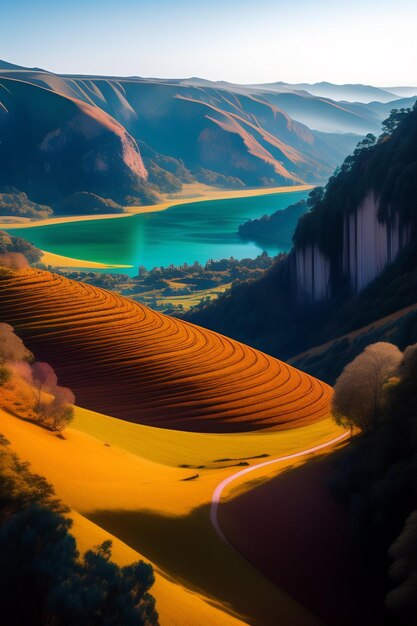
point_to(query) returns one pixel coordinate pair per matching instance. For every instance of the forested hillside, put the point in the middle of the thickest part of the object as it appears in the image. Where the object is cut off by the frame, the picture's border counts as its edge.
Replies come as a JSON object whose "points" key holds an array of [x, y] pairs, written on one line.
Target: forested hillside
{"points": [[342, 283]]}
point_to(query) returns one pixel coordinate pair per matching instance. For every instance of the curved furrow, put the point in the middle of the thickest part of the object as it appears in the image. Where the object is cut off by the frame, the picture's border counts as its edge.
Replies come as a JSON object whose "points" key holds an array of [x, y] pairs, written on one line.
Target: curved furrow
{"points": [[126, 360]]}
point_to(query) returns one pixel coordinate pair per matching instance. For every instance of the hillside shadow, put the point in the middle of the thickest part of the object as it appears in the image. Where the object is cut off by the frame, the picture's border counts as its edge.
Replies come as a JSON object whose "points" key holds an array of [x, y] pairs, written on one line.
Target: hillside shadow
{"points": [[190, 552], [304, 546]]}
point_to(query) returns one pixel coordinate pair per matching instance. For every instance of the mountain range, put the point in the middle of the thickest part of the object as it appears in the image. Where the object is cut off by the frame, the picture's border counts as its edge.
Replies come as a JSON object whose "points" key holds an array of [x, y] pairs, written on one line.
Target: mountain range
{"points": [[130, 139]]}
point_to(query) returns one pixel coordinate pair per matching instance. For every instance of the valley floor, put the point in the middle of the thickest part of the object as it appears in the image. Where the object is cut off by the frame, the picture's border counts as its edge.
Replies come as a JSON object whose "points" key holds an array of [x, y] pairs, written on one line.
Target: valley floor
{"points": [[150, 489]]}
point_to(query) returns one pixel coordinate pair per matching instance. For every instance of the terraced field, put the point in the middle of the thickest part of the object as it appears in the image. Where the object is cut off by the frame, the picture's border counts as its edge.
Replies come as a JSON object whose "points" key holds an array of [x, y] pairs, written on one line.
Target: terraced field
{"points": [[124, 359]]}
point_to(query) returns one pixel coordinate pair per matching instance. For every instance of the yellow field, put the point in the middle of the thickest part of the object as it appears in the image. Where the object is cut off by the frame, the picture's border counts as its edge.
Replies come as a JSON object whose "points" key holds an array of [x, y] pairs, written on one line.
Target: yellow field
{"points": [[124, 479], [174, 447], [187, 301]]}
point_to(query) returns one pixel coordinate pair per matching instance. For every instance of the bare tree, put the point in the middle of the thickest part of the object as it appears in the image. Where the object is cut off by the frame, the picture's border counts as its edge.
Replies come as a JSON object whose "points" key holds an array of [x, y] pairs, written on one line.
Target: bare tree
{"points": [[44, 380], [359, 391], [54, 404]]}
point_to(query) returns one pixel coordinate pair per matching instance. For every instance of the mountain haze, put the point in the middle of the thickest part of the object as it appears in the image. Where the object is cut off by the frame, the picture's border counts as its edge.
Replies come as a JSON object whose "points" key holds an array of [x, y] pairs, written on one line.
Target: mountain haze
{"points": [[129, 139]]}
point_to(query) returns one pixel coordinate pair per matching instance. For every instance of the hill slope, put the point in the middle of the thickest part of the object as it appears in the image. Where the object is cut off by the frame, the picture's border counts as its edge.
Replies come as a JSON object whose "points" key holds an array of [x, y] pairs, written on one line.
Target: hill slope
{"points": [[52, 146], [126, 480], [122, 358]]}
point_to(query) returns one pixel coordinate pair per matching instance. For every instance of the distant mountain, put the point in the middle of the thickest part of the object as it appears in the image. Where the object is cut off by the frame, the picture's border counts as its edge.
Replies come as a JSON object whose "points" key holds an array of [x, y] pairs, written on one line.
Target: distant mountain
{"points": [[5, 65], [319, 112], [403, 92], [327, 115], [126, 139], [350, 93]]}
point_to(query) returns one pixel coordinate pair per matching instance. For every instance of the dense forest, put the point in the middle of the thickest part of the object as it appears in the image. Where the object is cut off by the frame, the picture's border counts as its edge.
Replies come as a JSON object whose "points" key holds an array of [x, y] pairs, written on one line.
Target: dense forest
{"points": [[278, 227]]}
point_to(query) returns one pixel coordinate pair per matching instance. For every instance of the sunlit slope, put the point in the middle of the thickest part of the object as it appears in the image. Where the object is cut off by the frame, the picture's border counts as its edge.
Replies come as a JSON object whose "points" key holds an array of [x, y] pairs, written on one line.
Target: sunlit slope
{"points": [[152, 509], [124, 359]]}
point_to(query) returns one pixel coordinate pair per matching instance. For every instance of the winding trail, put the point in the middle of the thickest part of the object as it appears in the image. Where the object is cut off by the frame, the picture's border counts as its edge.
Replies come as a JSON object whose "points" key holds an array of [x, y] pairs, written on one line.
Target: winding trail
{"points": [[215, 499]]}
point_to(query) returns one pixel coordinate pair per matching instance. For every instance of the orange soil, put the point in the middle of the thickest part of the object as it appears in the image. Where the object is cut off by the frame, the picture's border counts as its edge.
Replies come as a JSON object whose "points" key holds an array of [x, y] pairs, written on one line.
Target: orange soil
{"points": [[296, 534], [124, 359]]}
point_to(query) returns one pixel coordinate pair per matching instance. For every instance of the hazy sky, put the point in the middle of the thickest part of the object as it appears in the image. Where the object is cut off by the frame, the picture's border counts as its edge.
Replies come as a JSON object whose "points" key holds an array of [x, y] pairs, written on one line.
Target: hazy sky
{"points": [[368, 41]]}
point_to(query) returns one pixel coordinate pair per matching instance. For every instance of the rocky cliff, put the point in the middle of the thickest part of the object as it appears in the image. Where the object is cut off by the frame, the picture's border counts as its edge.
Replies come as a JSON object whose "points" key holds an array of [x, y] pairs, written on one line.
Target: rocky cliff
{"points": [[369, 244]]}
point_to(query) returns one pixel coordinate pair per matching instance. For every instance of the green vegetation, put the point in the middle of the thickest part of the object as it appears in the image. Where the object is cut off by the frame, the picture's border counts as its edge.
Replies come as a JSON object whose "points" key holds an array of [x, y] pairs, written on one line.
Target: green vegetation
{"points": [[278, 227], [267, 314], [376, 481], [43, 579], [17, 204], [162, 287], [10, 244], [386, 166]]}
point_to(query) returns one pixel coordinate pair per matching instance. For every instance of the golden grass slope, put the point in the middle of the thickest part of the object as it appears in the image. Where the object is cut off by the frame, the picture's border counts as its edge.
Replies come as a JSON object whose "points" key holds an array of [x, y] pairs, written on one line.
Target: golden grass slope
{"points": [[125, 480], [123, 359]]}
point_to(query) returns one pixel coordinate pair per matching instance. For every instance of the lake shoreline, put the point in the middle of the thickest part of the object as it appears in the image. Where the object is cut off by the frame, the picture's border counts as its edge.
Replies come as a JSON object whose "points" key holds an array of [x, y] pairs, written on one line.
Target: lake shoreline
{"points": [[197, 223], [50, 259], [212, 193]]}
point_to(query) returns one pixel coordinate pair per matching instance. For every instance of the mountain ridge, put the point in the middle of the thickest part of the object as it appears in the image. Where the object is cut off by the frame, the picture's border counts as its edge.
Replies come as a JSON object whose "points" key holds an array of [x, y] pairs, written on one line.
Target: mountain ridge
{"points": [[199, 131]]}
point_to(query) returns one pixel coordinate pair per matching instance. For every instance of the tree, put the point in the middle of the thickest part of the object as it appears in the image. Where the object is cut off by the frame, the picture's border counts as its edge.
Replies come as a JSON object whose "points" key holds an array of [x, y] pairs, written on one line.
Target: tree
{"points": [[54, 403], [315, 196], [12, 347], [43, 379], [43, 579], [60, 412], [394, 120], [360, 389], [5, 374], [367, 142]]}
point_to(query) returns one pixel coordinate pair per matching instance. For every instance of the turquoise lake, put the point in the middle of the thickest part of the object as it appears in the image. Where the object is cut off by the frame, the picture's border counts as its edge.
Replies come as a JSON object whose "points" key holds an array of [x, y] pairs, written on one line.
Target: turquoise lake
{"points": [[184, 233]]}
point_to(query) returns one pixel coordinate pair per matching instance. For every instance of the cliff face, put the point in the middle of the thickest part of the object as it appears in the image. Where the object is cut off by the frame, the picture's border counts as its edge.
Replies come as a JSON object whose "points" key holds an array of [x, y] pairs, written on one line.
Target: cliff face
{"points": [[312, 273], [368, 246]]}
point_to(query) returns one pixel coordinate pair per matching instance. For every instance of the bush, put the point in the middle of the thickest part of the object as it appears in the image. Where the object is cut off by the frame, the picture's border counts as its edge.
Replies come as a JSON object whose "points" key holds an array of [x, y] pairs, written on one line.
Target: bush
{"points": [[360, 389]]}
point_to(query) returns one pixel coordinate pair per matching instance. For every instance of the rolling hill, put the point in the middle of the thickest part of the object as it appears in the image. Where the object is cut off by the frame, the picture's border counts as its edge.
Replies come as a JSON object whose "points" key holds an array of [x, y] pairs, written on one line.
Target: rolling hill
{"points": [[122, 358]]}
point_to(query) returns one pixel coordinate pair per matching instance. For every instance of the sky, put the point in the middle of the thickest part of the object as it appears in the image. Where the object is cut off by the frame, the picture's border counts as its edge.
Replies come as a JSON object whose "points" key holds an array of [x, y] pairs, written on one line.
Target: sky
{"points": [[244, 41]]}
